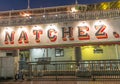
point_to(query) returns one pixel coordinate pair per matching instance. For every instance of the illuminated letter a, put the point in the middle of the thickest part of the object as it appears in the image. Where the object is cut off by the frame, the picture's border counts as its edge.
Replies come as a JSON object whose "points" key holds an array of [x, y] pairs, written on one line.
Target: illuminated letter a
{"points": [[24, 37]]}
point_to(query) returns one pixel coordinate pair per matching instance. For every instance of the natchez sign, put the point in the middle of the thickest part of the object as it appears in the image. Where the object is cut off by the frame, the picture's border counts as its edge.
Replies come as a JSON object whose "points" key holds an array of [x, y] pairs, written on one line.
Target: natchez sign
{"points": [[61, 33]]}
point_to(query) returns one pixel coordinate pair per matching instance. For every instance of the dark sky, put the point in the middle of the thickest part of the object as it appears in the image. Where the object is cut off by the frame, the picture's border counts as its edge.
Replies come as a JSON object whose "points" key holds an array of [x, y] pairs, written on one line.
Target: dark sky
{"points": [[6, 5]]}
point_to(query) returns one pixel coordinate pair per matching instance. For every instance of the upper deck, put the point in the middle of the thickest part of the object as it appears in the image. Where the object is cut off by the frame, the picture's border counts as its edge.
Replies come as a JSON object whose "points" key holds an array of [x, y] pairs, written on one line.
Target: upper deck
{"points": [[60, 14]]}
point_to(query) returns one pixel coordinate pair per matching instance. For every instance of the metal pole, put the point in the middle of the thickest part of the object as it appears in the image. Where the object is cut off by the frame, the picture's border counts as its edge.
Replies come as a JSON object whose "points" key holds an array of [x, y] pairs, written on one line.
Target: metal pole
{"points": [[76, 2], [28, 4], [30, 71], [117, 52]]}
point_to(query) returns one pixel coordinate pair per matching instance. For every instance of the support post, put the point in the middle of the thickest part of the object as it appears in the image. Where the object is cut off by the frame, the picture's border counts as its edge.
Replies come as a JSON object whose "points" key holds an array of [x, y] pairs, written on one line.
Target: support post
{"points": [[78, 55]]}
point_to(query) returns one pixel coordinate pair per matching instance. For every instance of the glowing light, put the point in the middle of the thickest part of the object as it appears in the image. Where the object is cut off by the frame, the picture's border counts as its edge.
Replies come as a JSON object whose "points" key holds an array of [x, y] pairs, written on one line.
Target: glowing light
{"points": [[22, 29], [73, 9], [25, 14], [118, 4], [83, 23], [99, 22], [36, 27], [56, 15], [105, 6], [71, 66], [8, 29], [43, 16], [51, 26]]}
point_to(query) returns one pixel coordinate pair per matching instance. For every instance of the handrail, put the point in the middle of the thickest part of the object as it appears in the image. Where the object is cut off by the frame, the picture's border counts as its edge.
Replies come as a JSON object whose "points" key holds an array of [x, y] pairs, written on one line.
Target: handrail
{"points": [[60, 17]]}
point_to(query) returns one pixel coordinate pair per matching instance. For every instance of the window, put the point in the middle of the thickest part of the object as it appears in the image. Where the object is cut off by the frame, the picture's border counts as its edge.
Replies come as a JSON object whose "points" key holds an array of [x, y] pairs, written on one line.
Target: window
{"points": [[59, 52], [98, 50], [9, 54]]}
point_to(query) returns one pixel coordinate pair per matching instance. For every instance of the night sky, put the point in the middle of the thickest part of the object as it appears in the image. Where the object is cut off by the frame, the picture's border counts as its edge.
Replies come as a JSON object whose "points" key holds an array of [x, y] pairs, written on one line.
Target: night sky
{"points": [[6, 5]]}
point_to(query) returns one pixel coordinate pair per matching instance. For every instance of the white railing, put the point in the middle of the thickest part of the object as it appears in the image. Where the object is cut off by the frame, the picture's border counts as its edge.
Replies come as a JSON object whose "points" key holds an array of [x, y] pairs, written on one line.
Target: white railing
{"points": [[61, 17]]}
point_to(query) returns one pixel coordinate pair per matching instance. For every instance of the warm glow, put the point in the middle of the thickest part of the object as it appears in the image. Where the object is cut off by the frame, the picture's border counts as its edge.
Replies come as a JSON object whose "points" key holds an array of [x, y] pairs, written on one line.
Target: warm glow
{"points": [[71, 66], [22, 29], [36, 27], [90, 55], [104, 6], [73, 9], [8, 29], [83, 24], [118, 4], [99, 22], [56, 15], [43, 16], [51, 26], [25, 14]]}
